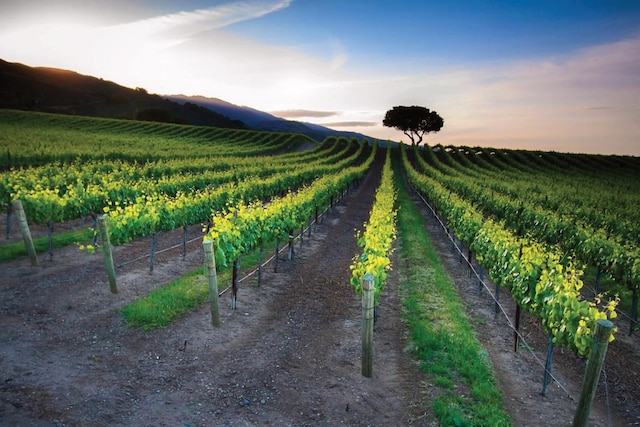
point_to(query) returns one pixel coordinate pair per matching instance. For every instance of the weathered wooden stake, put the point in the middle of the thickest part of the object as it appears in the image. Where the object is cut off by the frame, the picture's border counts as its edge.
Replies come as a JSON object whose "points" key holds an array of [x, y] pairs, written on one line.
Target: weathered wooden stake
{"points": [[275, 260], [26, 233], [368, 288], [234, 284], [516, 332], [213, 282], [547, 365], [260, 256], [316, 226], [108, 256], [50, 236], [290, 256], [592, 371]]}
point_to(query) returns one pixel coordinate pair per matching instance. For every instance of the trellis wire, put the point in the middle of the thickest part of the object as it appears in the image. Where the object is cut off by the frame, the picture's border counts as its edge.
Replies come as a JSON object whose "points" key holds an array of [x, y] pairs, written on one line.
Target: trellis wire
{"points": [[497, 303]]}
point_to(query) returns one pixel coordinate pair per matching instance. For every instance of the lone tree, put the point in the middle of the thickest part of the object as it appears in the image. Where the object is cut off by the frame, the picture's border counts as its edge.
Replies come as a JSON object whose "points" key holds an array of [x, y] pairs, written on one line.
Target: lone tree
{"points": [[414, 121]]}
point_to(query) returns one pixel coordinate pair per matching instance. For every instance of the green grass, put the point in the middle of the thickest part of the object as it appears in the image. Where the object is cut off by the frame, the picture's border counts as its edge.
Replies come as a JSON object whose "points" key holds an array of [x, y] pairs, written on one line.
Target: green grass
{"points": [[160, 307], [12, 251], [442, 336]]}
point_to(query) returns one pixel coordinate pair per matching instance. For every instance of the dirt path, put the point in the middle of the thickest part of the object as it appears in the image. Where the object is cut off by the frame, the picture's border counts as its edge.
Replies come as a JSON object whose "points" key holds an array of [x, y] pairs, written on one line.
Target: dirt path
{"points": [[289, 355]]}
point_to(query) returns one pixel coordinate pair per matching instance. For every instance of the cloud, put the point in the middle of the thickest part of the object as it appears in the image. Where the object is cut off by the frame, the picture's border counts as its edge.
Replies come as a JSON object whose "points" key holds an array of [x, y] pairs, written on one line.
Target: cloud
{"points": [[181, 26], [294, 114], [350, 124]]}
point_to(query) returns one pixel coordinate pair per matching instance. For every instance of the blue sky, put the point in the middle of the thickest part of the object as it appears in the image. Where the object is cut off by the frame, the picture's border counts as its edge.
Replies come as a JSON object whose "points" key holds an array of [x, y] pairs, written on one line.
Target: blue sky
{"points": [[548, 75]]}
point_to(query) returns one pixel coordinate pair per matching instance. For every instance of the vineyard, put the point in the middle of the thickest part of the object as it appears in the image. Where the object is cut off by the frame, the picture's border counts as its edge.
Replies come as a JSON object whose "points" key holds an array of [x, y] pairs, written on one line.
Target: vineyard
{"points": [[544, 246]]}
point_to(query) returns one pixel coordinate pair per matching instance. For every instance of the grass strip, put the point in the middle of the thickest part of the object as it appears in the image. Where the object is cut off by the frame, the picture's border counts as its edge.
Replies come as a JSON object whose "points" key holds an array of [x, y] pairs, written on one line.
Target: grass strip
{"points": [[160, 307], [15, 250], [441, 335]]}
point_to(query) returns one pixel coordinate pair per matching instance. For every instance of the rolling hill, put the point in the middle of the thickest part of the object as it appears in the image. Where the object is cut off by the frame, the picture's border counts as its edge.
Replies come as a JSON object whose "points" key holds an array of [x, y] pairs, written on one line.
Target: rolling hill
{"points": [[67, 92]]}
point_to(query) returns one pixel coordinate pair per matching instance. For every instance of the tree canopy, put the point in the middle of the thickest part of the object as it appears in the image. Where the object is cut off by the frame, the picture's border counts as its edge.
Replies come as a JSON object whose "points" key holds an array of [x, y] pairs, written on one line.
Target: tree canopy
{"points": [[414, 121]]}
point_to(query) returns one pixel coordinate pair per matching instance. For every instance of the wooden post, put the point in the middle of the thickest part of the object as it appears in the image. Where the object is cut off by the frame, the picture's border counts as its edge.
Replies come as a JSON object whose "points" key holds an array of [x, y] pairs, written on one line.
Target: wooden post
{"points": [[213, 282], [234, 284], [50, 236], [260, 256], [316, 217], [290, 256], [26, 233], [547, 365], [592, 371], [108, 256], [368, 288]]}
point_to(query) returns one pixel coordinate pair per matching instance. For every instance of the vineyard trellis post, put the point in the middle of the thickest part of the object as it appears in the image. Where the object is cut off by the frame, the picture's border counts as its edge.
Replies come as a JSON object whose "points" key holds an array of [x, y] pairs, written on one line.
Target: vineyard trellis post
{"points": [[26, 233], [316, 218], [592, 371], [234, 283], [290, 256], [368, 288], [212, 281], [260, 257], [108, 255], [516, 331], [547, 365], [50, 236]]}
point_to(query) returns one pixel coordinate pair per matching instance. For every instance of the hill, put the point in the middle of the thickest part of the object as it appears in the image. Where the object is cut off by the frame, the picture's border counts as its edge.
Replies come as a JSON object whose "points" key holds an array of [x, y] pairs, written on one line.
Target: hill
{"points": [[260, 120], [67, 92], [61, 91]]}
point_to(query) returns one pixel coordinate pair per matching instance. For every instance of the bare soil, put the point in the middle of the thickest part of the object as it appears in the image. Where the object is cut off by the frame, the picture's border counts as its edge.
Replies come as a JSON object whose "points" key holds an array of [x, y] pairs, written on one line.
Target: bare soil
{"points": [[289, 355]]}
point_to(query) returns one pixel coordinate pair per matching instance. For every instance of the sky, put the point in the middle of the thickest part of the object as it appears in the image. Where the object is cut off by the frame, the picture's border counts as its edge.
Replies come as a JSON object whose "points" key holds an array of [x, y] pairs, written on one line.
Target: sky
{"points": [[551, 75]]}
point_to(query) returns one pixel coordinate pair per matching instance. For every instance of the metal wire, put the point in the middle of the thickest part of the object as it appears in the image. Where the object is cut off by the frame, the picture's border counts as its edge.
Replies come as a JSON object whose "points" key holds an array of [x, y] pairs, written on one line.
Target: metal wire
{"points": [[498, 304]]}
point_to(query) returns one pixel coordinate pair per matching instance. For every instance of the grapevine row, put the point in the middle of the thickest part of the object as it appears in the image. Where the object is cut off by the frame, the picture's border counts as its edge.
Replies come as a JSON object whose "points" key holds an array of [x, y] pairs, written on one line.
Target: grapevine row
{"points": [[535, 276], [244, 227], [379, 233], [152, 213], [591, 246], [77, 199]]}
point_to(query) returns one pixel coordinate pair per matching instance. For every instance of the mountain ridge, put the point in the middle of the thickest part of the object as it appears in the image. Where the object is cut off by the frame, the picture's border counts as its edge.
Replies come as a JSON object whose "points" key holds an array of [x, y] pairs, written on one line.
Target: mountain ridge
{"points": [[56, 90]]}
